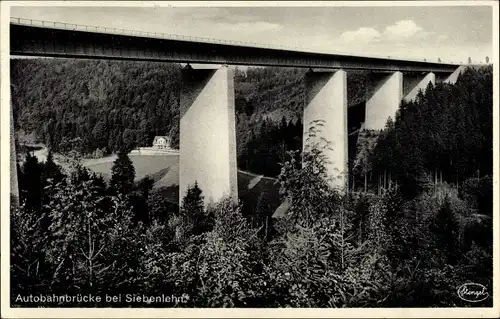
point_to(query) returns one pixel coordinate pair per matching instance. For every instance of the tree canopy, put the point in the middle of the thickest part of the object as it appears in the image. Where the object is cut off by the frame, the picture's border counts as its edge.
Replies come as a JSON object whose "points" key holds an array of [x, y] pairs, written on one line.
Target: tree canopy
{"points": [[445, 133]]}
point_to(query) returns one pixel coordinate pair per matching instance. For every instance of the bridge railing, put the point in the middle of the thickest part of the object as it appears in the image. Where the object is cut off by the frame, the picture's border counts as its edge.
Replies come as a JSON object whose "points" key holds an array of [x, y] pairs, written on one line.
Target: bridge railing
{"points": [[120, 31]]}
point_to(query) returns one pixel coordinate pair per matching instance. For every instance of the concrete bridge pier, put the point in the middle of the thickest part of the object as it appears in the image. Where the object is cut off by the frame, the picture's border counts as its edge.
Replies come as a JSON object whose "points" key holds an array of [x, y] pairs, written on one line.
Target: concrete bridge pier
{"points": [[384, 93], [450, 78], [413, 83], [326, 101], [207, 133]]}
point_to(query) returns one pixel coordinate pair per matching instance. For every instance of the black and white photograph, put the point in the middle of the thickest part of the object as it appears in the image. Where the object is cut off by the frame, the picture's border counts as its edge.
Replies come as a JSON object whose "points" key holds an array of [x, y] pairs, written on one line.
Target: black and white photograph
{"points": [[325, 157]]}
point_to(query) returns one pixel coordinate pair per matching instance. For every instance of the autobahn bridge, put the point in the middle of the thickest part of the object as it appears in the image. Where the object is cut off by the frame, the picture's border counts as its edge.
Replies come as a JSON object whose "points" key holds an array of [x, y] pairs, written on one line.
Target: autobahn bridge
{"points": [[207, 125]]}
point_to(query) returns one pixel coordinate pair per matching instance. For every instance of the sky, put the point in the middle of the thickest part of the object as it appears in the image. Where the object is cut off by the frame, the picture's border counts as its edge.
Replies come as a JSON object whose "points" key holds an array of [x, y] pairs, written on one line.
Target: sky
{"points": [[452, 33]]}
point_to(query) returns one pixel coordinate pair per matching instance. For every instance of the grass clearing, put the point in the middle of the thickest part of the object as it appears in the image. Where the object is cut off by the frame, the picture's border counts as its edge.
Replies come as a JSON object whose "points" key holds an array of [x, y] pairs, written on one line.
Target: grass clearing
{"points": [[164, 170]]}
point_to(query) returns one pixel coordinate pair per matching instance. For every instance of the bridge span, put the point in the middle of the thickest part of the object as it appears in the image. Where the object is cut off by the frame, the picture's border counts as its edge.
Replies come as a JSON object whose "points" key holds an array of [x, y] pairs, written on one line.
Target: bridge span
{"points": [[207, 127]]}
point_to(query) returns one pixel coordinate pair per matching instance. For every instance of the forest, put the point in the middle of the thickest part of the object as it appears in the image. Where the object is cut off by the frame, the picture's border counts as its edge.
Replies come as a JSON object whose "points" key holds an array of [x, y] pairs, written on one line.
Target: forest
{"points": [[417, 226], [102, 107], [94, 104]]}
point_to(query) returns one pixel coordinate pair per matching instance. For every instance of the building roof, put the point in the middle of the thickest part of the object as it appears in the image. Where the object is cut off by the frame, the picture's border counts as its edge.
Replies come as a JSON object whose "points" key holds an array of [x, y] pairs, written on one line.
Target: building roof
{"points": [[161, 136]]}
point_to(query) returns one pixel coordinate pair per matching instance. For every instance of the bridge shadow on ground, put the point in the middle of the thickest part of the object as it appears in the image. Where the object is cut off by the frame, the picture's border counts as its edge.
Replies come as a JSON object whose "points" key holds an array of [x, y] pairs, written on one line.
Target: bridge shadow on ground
{"points": [[164, 171], [170, 193], [250, 188], [157, 176], [254, 188]]}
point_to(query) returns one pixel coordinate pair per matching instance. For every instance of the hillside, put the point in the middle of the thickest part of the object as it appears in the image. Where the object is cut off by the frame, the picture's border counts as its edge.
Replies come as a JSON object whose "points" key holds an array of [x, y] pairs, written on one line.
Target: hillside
{"points": [[445, 135], [276, 92], [87, 105], [108, 105]]}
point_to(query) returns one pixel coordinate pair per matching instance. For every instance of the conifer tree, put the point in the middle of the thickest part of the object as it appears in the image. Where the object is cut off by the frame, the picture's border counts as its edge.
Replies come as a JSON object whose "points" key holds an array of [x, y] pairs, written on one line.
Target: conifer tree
{"points": [[145, 186], [193, 201], [192, 219], [31, 183], [79, 174], [52, 171], [122, 174], [445, 229]]}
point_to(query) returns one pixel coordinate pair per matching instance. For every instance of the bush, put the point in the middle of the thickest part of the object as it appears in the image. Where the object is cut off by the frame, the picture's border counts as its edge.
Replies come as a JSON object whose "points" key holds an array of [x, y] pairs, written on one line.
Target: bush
{"points": [[479, 193]]}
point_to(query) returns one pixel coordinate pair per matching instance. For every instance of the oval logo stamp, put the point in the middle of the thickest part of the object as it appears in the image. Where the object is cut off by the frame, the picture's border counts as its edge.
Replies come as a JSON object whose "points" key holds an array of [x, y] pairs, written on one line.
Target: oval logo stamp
{"points": [[472, 292]]}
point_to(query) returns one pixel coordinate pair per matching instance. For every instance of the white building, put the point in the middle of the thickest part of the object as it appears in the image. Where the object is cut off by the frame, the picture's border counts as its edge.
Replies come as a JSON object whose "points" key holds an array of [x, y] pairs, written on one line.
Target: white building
{"points": [[161, 142]]}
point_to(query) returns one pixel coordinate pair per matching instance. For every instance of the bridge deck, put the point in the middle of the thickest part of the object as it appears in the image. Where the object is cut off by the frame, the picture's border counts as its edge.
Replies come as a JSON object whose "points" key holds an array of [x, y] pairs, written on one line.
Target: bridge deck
{"points": [[51, 39]]}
